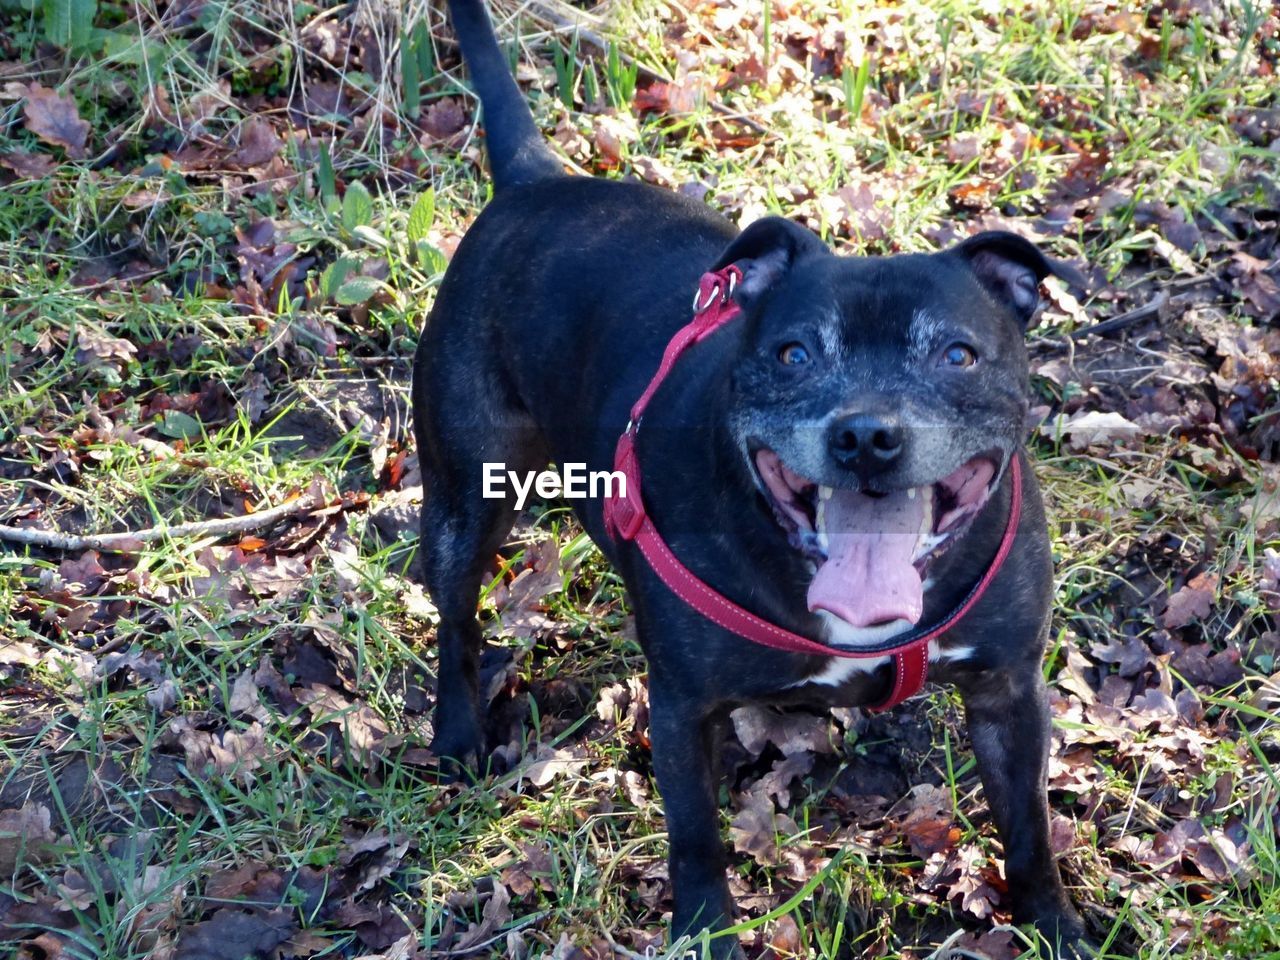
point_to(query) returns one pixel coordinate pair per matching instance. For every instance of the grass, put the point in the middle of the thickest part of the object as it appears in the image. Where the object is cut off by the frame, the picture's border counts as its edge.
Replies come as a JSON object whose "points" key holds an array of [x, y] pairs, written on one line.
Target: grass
{"points": [[202, 706]]}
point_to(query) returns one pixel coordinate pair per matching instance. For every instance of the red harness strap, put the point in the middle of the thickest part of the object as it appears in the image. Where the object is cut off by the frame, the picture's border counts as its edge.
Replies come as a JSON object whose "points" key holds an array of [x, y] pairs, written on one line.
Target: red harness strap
{"points": [[625, 517]]}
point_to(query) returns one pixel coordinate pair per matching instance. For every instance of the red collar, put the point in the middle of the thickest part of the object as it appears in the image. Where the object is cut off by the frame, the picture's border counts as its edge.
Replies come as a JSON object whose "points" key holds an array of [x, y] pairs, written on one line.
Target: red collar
{"points": [[625, 517]]}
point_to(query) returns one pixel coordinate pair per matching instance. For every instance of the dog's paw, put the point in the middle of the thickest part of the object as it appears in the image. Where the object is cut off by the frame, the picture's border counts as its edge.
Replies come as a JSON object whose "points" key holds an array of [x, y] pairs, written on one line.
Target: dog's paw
{"points": [[712, 948], [458, 753], [1063, 937]]}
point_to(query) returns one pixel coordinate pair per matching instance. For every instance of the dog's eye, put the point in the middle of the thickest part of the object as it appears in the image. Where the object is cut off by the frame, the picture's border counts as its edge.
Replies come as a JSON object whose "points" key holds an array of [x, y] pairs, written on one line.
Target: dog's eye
{"points": [[959, 355], [793, 354]]}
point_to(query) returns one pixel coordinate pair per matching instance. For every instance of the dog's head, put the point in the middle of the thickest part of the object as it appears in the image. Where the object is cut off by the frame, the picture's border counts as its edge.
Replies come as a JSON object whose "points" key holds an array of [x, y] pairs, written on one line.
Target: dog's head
{"points": [[877, 402]]}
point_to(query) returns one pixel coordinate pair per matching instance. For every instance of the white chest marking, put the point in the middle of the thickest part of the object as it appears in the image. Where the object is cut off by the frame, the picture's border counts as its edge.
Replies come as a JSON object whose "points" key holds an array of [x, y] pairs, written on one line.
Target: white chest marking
{"points": [[840, 669]]}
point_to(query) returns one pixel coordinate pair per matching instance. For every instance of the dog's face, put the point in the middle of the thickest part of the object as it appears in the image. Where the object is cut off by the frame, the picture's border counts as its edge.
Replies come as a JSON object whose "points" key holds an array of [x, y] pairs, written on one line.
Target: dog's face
{"points": [[877, 403]]}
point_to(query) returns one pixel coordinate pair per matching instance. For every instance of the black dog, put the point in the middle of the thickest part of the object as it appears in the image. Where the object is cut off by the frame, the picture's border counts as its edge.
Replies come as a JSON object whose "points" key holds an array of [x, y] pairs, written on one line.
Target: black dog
{"points": [[839, 459]]}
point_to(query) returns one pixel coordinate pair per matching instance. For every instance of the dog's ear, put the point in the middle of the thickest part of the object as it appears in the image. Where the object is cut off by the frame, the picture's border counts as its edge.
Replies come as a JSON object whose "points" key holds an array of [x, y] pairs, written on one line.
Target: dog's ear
{"points": [[764, 252], [1011, 268]]}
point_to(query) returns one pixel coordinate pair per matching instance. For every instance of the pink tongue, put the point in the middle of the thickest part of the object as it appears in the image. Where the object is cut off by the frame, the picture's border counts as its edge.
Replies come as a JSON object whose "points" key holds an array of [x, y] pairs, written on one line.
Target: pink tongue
{"points": [[868, 577]]}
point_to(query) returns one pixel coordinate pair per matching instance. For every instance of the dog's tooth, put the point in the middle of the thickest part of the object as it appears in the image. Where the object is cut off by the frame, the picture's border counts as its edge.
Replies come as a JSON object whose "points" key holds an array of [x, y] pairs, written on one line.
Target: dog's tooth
{"points": [[911, 493], [824, 493], [820, 518], [925, 540]]}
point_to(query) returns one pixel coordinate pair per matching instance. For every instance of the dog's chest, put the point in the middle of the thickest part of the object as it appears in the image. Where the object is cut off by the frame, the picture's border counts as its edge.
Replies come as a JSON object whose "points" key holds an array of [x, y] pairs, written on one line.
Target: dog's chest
{"points": [[837, 671]]}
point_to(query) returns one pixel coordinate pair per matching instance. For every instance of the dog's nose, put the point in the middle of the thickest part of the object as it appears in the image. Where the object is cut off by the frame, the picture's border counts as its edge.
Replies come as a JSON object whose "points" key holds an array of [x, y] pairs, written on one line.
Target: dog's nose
{"points": [[867, 443]]}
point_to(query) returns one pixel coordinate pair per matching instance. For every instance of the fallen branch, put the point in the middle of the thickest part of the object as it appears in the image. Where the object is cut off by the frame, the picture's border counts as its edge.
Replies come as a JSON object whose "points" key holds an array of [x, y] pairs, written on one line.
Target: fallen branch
{"points": [[1145, 312], [132, 539]]}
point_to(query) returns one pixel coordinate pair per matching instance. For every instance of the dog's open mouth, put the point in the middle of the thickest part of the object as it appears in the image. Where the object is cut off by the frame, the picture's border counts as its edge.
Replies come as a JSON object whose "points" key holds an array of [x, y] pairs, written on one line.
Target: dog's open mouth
{"points": [[872, 550]]}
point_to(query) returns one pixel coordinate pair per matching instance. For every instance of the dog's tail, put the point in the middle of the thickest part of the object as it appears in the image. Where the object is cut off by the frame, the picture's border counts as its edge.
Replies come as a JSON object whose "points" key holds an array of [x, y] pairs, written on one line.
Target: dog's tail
{"points": [[517, 153]]}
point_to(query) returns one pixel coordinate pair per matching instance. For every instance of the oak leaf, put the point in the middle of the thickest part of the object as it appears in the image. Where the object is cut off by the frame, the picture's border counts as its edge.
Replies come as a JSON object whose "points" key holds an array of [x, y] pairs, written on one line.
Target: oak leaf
{"points": [[56, 120], [1192, 602]]}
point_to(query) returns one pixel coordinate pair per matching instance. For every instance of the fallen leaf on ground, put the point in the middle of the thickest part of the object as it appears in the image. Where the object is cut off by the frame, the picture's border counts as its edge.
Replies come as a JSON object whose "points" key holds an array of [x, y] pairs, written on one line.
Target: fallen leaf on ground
{"points": [[1192, 602], [928, 835], [992, 944], [25, 835], [233, 933], [792, 733], [1091, 428], [258, 144], [443, 119], [56, 120], [28, 166], [520, 602], [551, 762], [373, 857], [757, 828], [496, 915], [403, 949], [784, 939]]}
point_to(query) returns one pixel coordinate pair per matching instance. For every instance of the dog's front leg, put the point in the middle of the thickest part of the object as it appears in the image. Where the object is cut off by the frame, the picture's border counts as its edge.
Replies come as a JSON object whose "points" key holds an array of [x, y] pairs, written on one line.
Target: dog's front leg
{"points": [[683, 734], [1009, 725]]}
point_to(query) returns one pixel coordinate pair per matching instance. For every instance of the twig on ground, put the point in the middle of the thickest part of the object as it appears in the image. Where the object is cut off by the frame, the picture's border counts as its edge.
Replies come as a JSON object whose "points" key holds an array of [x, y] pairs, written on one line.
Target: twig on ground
{"points": [[1153, 308], [520, 924], [1145, 312], [55, 540]]}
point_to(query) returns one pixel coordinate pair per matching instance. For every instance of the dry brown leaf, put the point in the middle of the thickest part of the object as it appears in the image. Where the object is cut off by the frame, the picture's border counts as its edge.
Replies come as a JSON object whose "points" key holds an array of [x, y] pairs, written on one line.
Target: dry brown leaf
{"points": [[520, 602], [965, 147], [25, 836], [784, 939], [233, 933], [1192, 602], [164, 696], [1257, 284], [1130, 654], [757, 828], [378, 926], [496, 915], [258, 144], [28, 166], [18, 653], [1091, 428], [861, 209], [46, 946], [972, 886], [244, 697], [752, 830], [792, 733], [992, 944], [85, 570], [96, 348], [239, 752], [443, 119], [56, 120], [551, 762], [655, 171], [372, 858], [923, 801], [251, 879], [403, 949], [777, 782], [362, 728], [928, 835]]}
